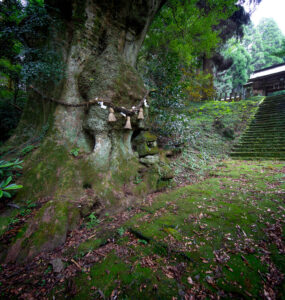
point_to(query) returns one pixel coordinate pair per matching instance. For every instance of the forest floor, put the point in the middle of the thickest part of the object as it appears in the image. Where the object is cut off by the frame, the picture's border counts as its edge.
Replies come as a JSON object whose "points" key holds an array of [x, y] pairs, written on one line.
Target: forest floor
{"points": [[221, 237]]}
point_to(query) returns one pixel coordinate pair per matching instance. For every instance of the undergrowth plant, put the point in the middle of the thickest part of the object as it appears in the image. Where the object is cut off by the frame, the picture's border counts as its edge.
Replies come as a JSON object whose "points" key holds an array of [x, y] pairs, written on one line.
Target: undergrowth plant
{"points": [[7, 187], [93, 221]]}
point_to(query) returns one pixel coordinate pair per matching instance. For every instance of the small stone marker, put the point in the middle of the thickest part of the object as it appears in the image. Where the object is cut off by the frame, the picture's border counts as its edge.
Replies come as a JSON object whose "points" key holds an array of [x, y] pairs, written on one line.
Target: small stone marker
{"points": [[57, 265]]}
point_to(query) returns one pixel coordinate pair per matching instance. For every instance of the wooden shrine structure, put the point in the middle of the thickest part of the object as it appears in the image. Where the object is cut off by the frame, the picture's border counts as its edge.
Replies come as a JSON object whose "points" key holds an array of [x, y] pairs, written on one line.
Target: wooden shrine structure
{"points": [[265, 81]]}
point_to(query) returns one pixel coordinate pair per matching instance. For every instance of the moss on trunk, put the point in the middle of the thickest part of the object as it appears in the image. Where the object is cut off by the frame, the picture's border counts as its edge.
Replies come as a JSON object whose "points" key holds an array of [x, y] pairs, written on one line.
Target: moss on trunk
{"points": [[99, 43]]}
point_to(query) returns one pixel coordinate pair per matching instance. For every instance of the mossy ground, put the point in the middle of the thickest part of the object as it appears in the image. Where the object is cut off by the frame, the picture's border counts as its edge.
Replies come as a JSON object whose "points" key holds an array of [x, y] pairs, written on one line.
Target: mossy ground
{"points": [[211, 238]]}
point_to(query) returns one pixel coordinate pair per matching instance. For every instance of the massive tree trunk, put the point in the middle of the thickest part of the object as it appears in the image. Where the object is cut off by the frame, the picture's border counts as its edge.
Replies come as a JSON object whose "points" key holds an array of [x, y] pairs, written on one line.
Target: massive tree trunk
{"points": [[99, 43]]}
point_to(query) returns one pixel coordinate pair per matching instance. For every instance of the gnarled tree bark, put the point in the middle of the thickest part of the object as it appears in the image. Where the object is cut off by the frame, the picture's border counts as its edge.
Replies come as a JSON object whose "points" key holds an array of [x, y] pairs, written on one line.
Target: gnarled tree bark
{"points": [[99, 43]]}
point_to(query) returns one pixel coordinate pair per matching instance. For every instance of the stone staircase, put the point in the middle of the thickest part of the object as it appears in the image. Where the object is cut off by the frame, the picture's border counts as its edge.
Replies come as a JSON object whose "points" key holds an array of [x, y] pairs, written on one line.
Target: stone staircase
{"points": [[265, 136]]}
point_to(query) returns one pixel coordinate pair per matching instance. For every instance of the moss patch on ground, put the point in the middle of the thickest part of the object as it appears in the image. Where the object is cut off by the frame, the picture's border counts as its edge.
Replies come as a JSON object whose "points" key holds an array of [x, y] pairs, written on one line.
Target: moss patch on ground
{"points": [[220, 237]]}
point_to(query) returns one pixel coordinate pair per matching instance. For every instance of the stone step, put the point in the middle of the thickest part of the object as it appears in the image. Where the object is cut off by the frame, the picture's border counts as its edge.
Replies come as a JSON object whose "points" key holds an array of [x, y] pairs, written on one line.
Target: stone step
{"points": [[269, 146], [276, 116], [265, 136], [272, 111], [258, 158], [264, 132], [260, 150], [254, 141], [258, 145], [249, 138], [272, 120], [272, 104], [264, 154], [269, 127], [268, 123], [269, 120], [268, 108]]}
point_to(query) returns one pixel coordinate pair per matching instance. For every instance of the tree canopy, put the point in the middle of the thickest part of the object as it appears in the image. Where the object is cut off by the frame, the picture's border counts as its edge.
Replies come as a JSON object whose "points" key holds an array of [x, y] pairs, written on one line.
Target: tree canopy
{"points": [[262, 46]]}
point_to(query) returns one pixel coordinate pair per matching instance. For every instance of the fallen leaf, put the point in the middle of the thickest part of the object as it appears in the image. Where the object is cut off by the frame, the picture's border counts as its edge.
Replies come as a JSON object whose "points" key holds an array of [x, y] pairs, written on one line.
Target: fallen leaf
{"points": [[190, 281]]}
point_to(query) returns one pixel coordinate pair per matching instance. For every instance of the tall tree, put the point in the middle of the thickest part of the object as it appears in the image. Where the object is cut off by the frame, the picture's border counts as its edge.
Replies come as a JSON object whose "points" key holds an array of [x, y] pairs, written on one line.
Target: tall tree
{"points": [[272, 38], [265, 39], [98, 42]]}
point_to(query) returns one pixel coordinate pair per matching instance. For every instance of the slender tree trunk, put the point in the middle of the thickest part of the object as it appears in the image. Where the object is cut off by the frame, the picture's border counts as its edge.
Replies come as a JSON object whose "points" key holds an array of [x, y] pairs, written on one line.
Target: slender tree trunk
{"points": [[99, 43]]}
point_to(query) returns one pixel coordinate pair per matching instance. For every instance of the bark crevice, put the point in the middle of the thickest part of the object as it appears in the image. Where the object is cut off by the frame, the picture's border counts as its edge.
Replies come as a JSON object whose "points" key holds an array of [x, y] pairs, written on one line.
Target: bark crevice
{"points": [[100, 41]]}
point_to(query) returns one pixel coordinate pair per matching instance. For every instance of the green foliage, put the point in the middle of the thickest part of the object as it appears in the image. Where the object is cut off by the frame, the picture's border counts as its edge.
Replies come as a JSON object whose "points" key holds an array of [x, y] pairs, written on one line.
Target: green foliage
{"points": [[280, 52], [186, 27], [27, 149], [74, 152], [6, 187], [198, 86], [48, 269], [179, 38], [10, 111], [261, 47], [30, 204], [121, 231], [6, 172], [25, 53], [194, 132], [12, 221], [272, 39], [138, 179], [144, 242], [25, 56], [93, 221], [7, 167], [215, 224], [241, 67]]}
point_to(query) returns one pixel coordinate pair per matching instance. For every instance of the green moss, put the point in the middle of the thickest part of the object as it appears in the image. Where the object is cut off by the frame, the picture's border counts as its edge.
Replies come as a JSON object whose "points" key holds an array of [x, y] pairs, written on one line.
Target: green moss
{"points": [[89, 245], [220, 209], [141, 189], [6, 218], [162, 184], [52, 219], [184, 228], [85, 247], [42, 178], [138, 281], [145, 144], [47, 230], [148, 136], [21, 232]]}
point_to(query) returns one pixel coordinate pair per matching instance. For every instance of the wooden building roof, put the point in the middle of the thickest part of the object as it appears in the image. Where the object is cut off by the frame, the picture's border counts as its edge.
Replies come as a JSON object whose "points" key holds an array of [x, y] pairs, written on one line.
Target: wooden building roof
{"points": [[273, 70]]}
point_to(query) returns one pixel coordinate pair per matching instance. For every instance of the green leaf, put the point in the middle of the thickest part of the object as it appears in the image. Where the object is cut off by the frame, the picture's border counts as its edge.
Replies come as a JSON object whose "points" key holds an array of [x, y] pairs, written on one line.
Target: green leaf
{"points": [[13, 187], [8, 180], [6, 165], [6, 194], [1, 193]]}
